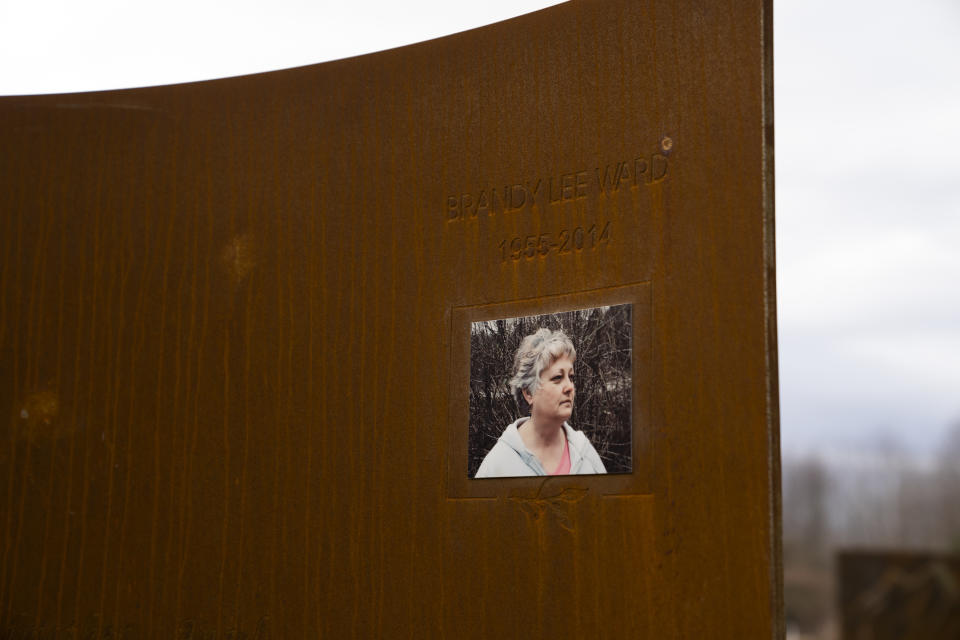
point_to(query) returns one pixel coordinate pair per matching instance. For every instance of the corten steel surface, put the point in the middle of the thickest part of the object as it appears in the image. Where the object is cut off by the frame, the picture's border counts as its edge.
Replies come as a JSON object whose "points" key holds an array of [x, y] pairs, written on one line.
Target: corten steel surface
{"points": [[232, 318]]}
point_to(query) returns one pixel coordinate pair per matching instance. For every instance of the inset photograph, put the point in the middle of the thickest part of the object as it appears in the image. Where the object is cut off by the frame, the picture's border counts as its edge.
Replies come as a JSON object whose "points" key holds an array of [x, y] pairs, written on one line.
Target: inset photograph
{"points": [[551, 394]]}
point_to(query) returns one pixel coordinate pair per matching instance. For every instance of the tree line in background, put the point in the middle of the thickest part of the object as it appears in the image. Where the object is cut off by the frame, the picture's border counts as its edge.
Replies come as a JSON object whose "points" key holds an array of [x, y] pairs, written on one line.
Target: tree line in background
{"points": [[602, 408]]}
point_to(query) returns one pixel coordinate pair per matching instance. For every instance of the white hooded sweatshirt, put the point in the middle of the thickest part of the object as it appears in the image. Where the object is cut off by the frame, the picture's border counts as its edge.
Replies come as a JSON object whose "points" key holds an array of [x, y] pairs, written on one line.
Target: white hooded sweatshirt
{"points": [[509, 458]]}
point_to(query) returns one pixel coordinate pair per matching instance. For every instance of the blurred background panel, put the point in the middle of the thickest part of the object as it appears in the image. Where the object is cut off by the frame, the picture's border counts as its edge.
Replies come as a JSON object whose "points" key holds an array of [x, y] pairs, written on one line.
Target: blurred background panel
{"points": [[899, 595]]}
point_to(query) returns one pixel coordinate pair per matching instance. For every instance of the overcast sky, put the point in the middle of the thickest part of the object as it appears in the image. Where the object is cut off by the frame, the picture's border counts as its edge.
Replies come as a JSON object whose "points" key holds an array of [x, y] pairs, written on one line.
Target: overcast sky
{"points": [[868, 219], [867, 153]]}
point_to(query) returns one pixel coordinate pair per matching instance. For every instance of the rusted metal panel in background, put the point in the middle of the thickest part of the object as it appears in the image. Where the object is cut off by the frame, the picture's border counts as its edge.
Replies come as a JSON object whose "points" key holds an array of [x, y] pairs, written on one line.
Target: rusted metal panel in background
{"points": [[899, 595], [231, 322]]}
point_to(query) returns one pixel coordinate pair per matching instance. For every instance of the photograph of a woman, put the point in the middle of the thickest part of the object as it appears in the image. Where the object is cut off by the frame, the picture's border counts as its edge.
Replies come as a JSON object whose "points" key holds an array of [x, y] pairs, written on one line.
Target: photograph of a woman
{"points": [[537, 409], [543, 443]]}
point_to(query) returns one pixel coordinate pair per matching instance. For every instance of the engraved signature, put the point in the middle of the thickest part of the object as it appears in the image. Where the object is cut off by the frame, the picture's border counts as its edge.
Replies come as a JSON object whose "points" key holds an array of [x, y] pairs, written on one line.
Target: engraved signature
{"points": [[560, 505]]}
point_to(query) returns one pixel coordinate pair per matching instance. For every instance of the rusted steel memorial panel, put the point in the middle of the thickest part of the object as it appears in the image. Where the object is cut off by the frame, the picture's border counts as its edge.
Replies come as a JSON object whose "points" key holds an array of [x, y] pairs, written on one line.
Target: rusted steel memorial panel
{"points": [[472, 338]]}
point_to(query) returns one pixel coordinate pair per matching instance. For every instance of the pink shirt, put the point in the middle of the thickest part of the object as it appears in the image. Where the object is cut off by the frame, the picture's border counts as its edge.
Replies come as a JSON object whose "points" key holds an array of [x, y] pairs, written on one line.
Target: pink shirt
{"points": [[564, 467]]}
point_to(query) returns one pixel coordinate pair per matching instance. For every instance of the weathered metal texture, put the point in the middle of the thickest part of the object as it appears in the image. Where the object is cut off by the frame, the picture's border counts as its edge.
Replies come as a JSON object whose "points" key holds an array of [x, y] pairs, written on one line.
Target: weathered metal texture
{"points": [[227, 321]]}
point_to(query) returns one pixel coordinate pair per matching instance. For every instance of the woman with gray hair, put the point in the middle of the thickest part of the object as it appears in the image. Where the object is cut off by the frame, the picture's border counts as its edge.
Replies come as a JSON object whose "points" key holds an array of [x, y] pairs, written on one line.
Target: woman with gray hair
{"points": [[542, 443]]}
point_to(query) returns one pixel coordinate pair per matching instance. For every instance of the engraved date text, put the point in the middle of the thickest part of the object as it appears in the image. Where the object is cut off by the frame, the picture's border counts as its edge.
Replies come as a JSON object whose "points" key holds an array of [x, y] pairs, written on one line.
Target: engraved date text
{"points": [[562, 242]]}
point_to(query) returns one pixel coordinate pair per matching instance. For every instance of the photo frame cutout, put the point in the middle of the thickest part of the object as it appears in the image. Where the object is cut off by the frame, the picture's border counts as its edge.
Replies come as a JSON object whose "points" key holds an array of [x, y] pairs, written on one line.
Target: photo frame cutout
{"points": [[637, 480]]}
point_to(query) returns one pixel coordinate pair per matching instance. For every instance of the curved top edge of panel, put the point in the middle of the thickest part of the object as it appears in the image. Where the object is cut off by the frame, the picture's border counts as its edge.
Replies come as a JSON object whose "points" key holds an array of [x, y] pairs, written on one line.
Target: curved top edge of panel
{"points": [[538, 15]]}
